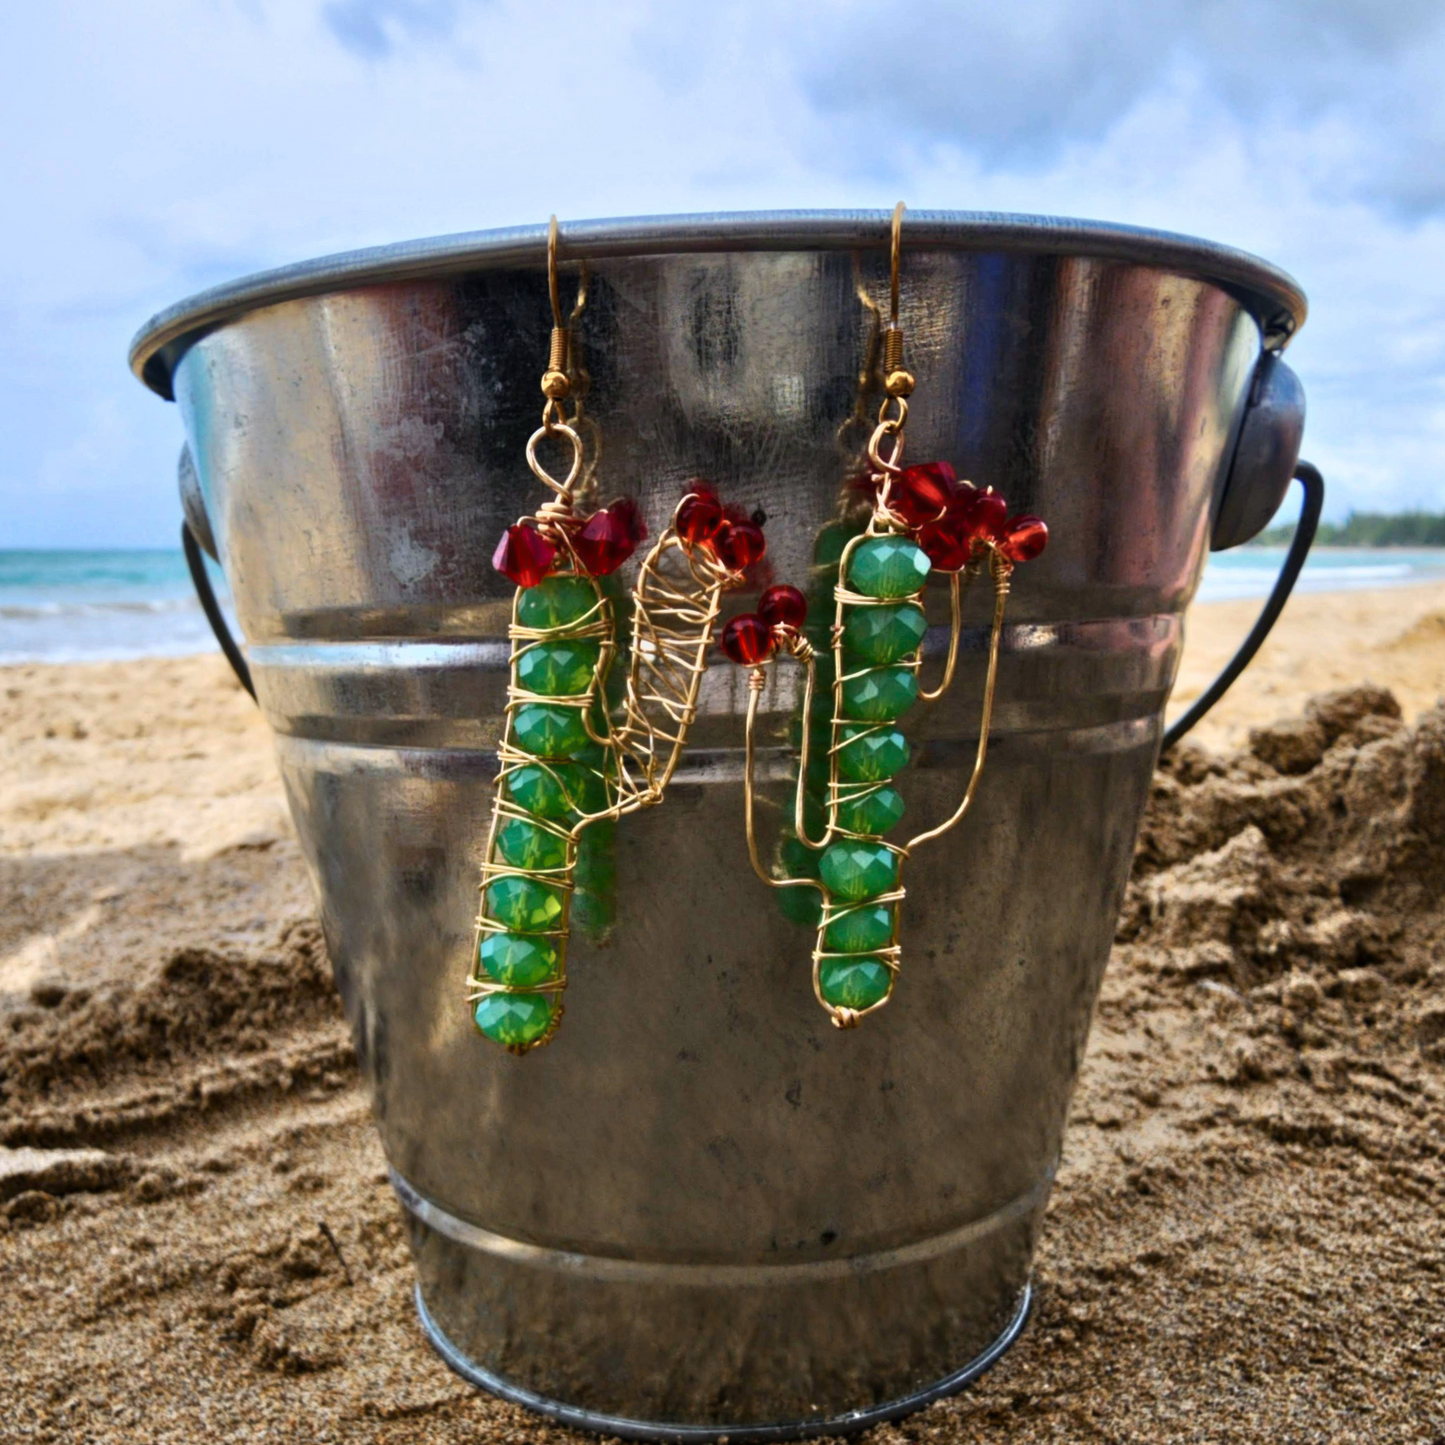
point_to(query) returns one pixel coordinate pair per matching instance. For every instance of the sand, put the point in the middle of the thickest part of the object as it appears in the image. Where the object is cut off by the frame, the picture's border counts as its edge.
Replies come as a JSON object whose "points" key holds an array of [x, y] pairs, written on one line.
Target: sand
{"points": [[197, 1240]]}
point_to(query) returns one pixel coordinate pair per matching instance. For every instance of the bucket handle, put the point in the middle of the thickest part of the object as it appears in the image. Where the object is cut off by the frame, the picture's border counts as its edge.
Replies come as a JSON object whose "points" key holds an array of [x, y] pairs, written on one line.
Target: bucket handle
{"points": [[1304, 534], [212, 609]]}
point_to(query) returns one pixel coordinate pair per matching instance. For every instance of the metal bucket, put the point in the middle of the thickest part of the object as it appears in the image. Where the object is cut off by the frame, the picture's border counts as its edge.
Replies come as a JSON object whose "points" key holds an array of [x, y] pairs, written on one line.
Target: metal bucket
{"points": [[702, 1211]]}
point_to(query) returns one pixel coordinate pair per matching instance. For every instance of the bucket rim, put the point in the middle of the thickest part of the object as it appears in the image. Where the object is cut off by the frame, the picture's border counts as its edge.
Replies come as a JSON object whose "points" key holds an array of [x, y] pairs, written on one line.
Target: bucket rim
{"points": [[1272, 296]]}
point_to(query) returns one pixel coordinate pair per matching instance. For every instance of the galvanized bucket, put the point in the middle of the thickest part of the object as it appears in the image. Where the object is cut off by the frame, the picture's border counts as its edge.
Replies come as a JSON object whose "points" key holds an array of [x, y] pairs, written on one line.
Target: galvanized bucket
{"points": [[702, 1211]]}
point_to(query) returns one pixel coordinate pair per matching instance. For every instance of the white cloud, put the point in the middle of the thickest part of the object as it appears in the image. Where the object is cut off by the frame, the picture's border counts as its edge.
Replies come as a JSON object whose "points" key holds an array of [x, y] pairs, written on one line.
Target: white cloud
{"points": [[153, 149]]}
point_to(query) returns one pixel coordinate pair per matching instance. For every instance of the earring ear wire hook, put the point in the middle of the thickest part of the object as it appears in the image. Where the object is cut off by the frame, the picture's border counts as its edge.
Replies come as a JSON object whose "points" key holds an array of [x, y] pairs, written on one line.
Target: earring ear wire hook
{"points": [[895, 252]]}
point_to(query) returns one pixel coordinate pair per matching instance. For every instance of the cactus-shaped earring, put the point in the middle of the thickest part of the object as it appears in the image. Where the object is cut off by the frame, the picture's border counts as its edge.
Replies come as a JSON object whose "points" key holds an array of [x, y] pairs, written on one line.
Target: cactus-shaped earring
{"points": [[563, 766], [921, 521]]}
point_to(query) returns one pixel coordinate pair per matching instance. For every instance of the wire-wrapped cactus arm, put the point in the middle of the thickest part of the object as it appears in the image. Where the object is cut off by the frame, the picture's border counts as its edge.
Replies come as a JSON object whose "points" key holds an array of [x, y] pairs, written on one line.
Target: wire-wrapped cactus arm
{"points": [[921, 523], [676, 601]]}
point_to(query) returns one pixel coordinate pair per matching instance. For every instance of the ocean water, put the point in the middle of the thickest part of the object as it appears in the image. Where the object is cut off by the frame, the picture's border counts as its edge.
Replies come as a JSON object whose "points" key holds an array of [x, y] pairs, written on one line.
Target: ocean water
{"points": [[1251, 571], [93, 606]]}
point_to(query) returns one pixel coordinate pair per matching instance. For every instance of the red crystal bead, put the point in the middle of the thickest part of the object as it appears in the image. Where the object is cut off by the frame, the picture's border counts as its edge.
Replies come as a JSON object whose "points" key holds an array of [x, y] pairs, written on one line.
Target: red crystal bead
{"points": [[739, 544], [922, 494], [603, 544], [982, 516], [783, 606], [523, 555], [1025, 538], [748, 639], [625, 510], [699, 514], [945, 544]]}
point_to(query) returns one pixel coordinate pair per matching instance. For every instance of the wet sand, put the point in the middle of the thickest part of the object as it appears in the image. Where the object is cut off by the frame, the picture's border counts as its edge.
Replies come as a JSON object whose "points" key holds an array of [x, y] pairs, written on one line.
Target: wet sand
{"points": [[197, 1240]]}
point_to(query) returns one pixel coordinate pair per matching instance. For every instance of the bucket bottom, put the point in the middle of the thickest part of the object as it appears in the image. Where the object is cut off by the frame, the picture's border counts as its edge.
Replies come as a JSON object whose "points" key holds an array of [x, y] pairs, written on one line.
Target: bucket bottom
{"points": [[848, 1424]]}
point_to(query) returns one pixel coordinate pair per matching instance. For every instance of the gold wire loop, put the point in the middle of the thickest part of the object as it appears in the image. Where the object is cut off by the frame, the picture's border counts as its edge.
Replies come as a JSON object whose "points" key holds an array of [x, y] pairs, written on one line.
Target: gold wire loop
{"points": [[956, 583], [889, 428], [551, 429], [1000, 570]]}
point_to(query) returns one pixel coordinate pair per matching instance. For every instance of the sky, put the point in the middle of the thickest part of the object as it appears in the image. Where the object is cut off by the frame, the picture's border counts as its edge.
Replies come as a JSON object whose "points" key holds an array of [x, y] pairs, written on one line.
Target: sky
{"points": [[153, 149]]}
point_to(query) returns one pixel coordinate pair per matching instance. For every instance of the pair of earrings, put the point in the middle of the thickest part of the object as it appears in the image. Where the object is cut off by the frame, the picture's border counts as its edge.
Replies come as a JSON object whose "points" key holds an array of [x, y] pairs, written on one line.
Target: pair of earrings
{"points": [[594, 730]]}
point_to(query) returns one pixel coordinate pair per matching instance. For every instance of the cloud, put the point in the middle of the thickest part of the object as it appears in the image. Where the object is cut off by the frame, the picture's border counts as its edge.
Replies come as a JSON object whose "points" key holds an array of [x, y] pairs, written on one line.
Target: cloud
{"points": [[1017, 86], [161, 147], [372, 28]]}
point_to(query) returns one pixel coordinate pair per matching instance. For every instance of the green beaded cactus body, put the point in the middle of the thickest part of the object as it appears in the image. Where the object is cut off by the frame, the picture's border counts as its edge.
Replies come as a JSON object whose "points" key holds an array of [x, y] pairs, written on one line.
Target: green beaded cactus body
{"points": [[558, 779], [568, 770], [841, 873], [877, 636]]}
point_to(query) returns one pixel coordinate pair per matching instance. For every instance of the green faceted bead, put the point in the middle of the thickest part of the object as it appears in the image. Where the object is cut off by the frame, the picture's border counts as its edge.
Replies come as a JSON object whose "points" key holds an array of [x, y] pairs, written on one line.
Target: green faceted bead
{"points": [[860, 930], [524, 904], [596, 857], [801, 905], [881, 635], [531, 846], [556, 602], [869, 755], [854, 982], [547, 792], [593, 913], [888, 567], [559, 669], [517, 960], [798, 860], [873, 813], [549, 730], [815, 814], [593, 756], [881, 694], [854, 870], [514, 1018], [585, 787], [828, 549]]}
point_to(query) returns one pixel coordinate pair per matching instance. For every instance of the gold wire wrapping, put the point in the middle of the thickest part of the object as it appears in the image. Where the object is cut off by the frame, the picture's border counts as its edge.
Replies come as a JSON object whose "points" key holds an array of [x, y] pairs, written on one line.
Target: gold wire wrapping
{"points": [[596, 623], [883, 522], [675, 605]]}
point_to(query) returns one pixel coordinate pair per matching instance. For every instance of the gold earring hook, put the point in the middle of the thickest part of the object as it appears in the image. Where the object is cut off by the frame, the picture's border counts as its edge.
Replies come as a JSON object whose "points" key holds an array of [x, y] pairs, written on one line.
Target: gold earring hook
{"points": [[552, 273], [897, 382], [555, 384], [896, 252]]}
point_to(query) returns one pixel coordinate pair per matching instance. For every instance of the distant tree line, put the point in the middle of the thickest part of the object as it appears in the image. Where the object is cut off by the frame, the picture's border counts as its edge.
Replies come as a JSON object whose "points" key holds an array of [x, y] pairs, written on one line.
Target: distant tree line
{"points": [[1371, 529]]}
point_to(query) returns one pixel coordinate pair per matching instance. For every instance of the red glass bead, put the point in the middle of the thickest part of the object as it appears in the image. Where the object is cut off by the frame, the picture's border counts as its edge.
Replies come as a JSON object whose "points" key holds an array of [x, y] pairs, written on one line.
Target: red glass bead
{"points": [[982, 516], [945, 544], [603, 544], [1025, 538], [783, 606], [922, 494], [748, 639], [699, 515], [625, 510], [523, 555], [738, 545]]}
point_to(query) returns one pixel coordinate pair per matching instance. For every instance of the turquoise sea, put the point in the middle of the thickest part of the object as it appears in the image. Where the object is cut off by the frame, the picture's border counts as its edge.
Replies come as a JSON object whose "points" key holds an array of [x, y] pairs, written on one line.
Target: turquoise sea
{"points": [[90, 606], [1251, 571]]}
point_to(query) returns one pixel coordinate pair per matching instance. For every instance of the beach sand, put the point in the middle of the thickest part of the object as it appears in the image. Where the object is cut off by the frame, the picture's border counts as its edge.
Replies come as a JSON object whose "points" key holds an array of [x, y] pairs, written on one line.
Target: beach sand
{"points": [[197, 1241]]}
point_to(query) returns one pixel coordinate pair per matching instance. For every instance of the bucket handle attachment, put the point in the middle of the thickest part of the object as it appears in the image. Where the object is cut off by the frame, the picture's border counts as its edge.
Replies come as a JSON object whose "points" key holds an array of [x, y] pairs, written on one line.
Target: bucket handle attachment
{"points": [[212, 609], [1304, 534]]}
